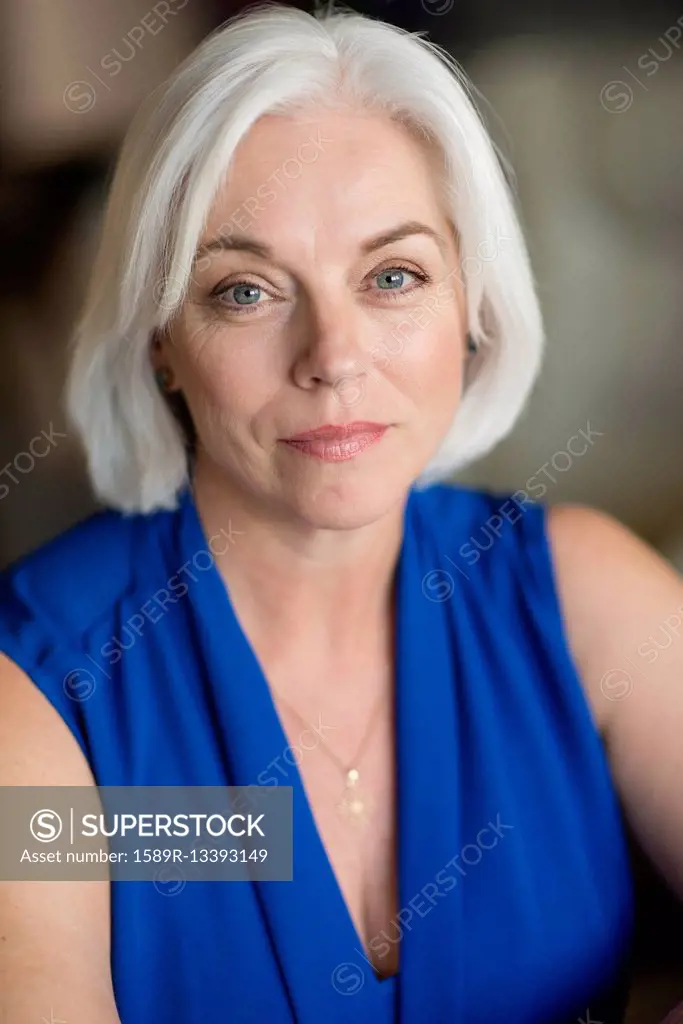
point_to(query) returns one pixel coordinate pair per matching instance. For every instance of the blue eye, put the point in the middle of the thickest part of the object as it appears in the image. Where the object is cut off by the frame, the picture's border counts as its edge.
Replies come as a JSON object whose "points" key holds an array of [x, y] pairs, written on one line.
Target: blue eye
{"points": [[392, 281], [247, 297], [249, 292], [242, 296], [394, 278]]}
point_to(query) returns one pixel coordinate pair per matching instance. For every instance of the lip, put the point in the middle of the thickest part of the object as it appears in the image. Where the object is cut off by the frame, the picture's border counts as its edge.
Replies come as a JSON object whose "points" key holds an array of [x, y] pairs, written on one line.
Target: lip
{"points": [[337, 443], [341, 432]]}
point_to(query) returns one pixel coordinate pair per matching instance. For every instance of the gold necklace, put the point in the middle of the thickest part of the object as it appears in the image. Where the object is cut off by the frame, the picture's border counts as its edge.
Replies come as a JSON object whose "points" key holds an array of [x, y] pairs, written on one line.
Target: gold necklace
{"points": [[353, 803]]}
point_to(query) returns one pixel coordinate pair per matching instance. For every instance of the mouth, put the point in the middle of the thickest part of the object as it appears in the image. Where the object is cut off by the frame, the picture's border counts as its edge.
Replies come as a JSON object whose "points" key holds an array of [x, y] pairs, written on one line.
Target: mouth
{"points": [[337, 443]]}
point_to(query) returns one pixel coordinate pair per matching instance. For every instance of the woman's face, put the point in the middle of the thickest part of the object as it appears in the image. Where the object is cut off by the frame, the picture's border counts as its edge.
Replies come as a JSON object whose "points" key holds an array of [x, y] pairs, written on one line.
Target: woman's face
{"points": [[326, 291]]}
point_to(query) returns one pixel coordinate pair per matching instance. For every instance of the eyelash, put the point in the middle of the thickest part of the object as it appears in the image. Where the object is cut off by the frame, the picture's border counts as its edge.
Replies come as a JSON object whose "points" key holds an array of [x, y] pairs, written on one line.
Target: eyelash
{"points": [[220, 290]]}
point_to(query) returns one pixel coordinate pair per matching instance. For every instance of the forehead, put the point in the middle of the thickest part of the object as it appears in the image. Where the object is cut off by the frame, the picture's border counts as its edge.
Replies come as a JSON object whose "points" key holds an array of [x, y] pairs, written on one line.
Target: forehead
{"points": [[337, 175]]}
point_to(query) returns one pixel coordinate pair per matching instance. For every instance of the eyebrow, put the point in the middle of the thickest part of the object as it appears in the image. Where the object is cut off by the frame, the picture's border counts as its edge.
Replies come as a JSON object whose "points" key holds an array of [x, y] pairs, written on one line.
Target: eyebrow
{"points": [[244, 243]]}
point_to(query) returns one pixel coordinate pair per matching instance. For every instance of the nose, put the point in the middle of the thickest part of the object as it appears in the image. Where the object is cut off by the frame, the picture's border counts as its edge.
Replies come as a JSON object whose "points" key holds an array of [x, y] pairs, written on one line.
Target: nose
{"points": [[331, 349]]}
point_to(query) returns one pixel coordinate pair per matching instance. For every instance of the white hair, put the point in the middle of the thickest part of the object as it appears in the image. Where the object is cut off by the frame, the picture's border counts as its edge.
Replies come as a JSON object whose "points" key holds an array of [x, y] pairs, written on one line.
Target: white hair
{"points": [[271, 59]]}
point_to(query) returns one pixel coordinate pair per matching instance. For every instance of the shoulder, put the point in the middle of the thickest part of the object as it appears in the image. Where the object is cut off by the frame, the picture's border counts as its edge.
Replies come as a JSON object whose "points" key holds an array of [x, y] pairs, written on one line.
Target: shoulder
{"points": [[590, 582], [71, 580], [458, 507], [615, 590], [604, 568], [498, 535], [49, 598], [595, 530]]}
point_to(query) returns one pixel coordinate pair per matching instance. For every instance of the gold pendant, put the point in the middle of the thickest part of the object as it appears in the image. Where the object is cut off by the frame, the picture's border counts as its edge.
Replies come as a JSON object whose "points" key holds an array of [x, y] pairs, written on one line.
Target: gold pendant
{"points": [[352, 804]]}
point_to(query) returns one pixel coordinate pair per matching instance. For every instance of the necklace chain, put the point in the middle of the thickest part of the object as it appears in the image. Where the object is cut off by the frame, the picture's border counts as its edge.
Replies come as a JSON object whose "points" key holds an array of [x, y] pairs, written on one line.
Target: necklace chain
{"points": [[352, 804], [344, 768]]}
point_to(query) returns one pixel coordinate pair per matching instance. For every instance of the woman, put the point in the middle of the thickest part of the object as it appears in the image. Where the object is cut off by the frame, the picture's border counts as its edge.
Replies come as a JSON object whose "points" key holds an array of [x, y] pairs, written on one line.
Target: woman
{"points": [[313, 302]]}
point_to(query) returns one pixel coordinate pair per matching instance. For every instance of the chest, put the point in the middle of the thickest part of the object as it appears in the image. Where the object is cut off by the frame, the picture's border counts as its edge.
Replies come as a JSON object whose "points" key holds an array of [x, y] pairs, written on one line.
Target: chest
{"points": [[526, 849], [356, 820]]}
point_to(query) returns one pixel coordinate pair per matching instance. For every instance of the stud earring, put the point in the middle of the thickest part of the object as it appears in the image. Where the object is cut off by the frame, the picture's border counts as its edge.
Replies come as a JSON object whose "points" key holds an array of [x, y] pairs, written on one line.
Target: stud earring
{"points": [[163, 378]]}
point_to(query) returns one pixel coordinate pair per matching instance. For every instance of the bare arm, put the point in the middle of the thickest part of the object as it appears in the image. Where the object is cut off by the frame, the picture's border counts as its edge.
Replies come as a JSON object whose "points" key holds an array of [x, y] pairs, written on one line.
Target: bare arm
{"points": [[54, 936], [624, 609]]}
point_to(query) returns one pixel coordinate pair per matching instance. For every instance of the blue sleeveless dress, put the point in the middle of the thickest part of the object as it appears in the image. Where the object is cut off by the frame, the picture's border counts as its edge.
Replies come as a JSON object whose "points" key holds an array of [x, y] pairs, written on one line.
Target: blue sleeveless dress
{"points": [[515, 883]]}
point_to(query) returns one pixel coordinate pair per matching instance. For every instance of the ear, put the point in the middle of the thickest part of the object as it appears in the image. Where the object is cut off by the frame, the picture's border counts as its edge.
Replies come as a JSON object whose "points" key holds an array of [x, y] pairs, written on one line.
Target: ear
{"points": [[160, 350], [160, 361], [156, 350]]}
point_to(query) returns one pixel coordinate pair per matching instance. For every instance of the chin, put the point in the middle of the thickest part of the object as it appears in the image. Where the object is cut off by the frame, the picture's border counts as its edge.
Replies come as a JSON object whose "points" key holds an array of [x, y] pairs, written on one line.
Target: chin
{"points": [[347, 504]]}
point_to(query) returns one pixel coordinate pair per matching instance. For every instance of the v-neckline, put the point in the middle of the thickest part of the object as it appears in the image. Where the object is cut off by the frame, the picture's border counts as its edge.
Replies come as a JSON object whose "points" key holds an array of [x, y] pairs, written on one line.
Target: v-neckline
{"points": [[272, 723], [298, 783], [310, 928]]}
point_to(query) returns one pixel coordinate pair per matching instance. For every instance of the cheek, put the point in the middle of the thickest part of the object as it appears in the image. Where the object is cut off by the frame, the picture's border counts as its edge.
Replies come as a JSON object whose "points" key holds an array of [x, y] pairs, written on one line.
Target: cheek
{"points": [[442, 381], [428, 361], [447, 364], [431, 369], [222, 372]]}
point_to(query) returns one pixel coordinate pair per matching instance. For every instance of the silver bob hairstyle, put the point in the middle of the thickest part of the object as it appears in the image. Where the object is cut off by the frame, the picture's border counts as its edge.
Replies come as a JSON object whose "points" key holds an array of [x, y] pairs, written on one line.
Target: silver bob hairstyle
{"points": [[275, 59]]}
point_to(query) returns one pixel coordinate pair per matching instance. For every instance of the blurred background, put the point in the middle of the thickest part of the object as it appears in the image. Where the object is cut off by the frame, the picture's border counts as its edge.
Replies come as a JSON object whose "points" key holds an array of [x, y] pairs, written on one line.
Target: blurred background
{"points": [[585, 99]]}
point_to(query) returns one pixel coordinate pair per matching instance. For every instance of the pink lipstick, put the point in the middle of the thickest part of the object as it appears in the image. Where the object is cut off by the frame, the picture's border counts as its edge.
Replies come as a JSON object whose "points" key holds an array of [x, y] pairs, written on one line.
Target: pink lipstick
{"points": [[337, 443]]}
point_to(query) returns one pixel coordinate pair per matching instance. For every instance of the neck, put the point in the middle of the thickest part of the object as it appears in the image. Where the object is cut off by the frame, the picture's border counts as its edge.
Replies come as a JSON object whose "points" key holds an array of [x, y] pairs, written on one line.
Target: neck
{"points": [[330, 592]]}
